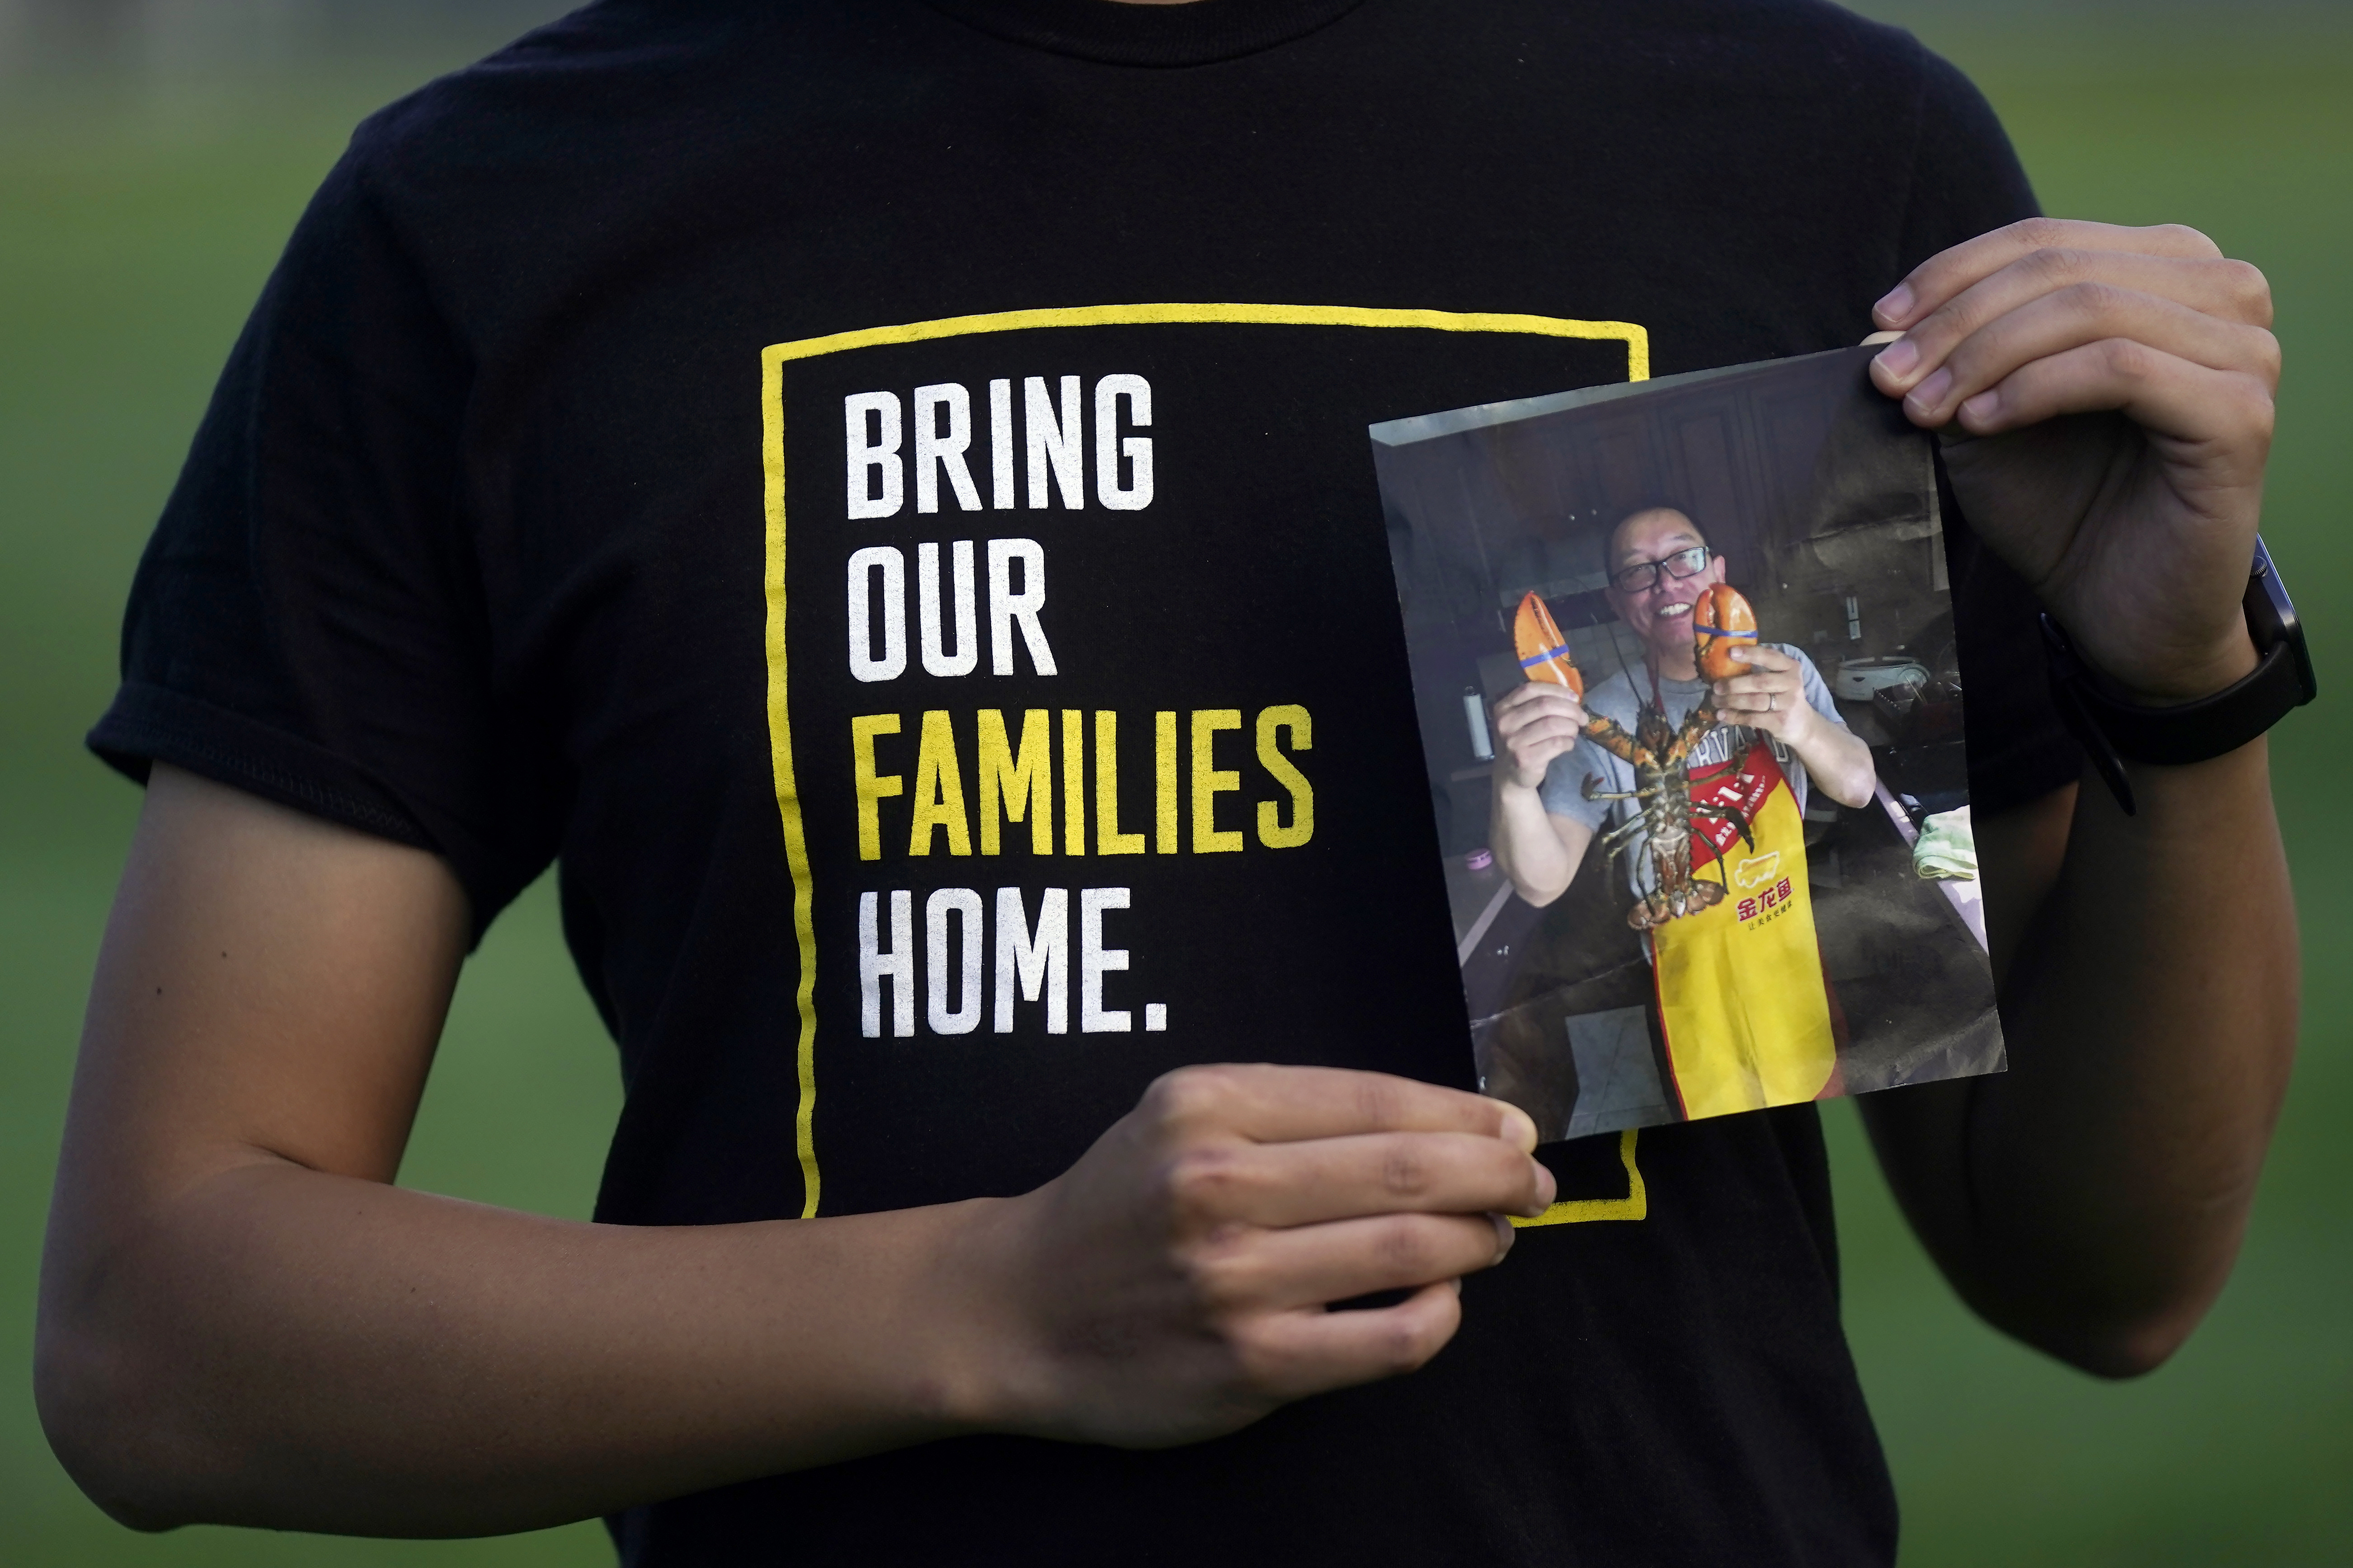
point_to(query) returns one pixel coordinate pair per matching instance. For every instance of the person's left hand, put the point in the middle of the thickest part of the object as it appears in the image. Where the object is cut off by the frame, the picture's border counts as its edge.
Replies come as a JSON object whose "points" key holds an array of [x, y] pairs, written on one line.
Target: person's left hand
{"points": [[2120, 383], [1770, 698]]}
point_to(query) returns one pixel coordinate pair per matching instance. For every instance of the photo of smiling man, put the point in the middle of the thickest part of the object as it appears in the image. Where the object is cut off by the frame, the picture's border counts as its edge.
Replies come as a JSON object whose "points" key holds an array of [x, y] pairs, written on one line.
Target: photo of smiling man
{"points": [[1744, 1003], [1687, 671], [1553, 794]]}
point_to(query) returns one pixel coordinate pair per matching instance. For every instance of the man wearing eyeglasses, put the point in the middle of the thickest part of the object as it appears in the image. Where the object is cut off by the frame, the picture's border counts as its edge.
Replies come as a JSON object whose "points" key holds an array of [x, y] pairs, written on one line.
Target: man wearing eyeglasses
{"points": [[1660, 563]]}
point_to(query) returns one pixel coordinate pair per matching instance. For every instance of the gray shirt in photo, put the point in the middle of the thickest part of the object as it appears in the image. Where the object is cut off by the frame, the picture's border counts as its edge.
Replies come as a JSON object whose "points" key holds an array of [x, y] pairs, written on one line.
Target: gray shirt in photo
{"points": [[1617, 697]]}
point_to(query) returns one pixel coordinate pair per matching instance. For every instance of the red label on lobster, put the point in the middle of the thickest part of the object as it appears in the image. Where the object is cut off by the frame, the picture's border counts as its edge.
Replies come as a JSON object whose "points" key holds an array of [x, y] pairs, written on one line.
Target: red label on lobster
{"points": [[1738, 795]]}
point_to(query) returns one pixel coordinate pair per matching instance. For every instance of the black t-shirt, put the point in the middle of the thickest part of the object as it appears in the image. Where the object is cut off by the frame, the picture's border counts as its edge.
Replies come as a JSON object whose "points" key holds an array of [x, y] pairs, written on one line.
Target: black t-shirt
{"points": [[747, 452]]}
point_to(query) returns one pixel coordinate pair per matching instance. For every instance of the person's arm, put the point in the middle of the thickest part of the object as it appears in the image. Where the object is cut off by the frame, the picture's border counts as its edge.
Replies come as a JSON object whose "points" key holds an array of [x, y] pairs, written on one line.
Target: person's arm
{"points": [[2119, 384], [1772, 698], [242, 1322], [1538, 850]]}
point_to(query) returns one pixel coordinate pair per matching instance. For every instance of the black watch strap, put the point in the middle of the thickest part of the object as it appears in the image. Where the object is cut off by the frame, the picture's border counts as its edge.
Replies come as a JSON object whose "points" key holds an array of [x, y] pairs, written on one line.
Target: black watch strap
{"points": [[2113, 733]]}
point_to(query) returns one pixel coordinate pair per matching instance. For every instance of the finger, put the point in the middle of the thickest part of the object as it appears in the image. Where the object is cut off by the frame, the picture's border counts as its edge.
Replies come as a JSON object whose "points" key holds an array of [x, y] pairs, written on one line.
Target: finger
{"points": [[2164, 394], [2218, 285], [1268, 1103], [2078, 314], [1533, 694], [1292, 1355], [1508, 719], [1764, 710], [1757, 656], [1948, 273], [1520, 696], [1311, 1181], [1779, 682], [1308, 1265], [1548, 729]]}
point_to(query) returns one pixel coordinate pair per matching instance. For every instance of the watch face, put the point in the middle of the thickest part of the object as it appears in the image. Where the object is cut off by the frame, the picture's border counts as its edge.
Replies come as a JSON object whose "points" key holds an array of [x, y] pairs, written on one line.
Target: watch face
{"points": [[2272, 620]]}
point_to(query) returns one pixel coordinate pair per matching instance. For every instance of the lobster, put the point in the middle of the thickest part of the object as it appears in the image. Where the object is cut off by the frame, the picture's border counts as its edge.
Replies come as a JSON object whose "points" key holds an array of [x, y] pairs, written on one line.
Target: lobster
{"points": [[1659, 757], [1659, 754]]}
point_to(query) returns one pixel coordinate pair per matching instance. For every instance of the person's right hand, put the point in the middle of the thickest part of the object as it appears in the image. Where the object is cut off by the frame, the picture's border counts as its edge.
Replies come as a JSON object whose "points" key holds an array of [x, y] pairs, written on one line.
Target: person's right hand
{"points": [[1174, 1285], [1534, 725]]}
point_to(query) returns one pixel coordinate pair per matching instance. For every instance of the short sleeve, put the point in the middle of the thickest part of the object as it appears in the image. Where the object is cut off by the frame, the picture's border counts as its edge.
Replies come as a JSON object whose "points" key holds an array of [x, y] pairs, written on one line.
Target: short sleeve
{"points": [[1817, 689], [1967, 181], [1563, 780], [1966, 176], [307, 622]]}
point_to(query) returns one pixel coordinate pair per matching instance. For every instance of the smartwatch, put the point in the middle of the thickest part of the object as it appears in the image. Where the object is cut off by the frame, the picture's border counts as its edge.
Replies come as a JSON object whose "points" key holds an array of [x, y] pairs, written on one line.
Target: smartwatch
{"points": [[2113, 733]]}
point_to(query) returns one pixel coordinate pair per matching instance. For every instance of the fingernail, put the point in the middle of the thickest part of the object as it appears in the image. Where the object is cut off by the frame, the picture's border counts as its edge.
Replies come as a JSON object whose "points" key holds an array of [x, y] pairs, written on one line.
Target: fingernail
{"points": [[1984, 406], [1931, 392], [1504, 1237], [1900, 357], [1896, 307], [1519, 1129]]}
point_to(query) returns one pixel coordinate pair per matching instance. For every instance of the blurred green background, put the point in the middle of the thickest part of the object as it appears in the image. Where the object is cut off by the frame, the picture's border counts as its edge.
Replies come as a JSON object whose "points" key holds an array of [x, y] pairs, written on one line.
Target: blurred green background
{"points": [[151, 164]]}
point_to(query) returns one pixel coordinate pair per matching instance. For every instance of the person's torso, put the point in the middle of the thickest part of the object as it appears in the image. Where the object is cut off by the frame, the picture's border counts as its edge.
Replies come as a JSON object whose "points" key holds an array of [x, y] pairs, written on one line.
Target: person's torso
{"points": [[1618, 698], [843, 370]]}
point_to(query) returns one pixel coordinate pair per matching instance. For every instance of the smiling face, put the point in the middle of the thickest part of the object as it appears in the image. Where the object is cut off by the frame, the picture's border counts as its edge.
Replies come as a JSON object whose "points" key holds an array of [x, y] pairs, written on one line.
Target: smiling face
{"points": [[1661, 614]]}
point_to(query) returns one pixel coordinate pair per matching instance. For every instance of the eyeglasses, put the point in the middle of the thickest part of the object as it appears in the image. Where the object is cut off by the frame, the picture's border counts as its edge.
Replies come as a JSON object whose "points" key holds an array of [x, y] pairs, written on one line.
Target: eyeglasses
{"points": [[1640, 577]]}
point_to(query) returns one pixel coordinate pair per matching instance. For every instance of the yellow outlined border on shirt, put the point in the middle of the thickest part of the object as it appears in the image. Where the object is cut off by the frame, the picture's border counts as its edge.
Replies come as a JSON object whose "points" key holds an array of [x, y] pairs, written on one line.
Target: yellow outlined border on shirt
{"points": [[773, 360]]}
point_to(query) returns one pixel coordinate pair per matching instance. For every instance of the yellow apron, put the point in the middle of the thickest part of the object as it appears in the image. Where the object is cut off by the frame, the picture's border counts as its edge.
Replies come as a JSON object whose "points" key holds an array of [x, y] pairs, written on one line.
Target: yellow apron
{"points": [[1741, 998]]}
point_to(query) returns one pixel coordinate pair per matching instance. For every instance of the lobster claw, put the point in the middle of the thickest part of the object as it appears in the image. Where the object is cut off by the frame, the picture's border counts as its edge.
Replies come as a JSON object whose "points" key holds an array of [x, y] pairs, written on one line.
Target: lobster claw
{"points": [[1543, 651], [1721, 621]]}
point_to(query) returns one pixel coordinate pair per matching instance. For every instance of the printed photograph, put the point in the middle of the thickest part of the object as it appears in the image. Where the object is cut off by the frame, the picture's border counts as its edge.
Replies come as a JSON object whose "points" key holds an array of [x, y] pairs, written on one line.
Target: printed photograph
{"points": [[1684, 666]]}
